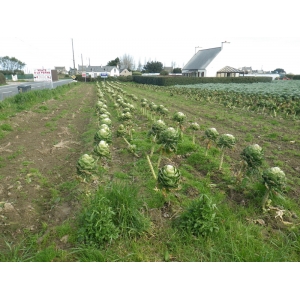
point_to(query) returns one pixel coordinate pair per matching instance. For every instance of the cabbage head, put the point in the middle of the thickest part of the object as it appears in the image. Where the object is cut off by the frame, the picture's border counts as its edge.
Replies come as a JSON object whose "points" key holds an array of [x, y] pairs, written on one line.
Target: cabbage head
{"points": [[195, 126], [275, 179], [212, 134], [179, 117], [226, 141], [102, 149], [157, 127], [168, 177], [103, 134], [169, 138], [253, 155], [86, 163]]}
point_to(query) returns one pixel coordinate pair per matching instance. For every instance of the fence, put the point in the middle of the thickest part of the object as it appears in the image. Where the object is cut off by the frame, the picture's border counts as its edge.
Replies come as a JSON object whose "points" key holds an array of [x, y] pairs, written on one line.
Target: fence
{"points": [[12, 90], [20, 76]]}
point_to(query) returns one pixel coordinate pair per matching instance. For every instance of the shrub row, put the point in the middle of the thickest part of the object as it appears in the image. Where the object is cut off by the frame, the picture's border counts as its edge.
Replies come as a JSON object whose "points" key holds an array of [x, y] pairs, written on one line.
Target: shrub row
{"points": [[181, 80]]}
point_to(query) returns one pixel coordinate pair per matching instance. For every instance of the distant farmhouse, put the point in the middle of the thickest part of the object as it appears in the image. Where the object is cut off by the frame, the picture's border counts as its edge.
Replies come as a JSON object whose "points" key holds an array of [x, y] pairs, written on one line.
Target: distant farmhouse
{"points": [[61, 70], [211, 62], [125, 72], [95, 71], [168, 69]]}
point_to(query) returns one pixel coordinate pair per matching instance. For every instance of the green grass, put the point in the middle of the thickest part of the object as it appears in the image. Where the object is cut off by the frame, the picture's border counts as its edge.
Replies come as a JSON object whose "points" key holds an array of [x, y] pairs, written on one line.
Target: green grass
{"points": [[114, 221]]}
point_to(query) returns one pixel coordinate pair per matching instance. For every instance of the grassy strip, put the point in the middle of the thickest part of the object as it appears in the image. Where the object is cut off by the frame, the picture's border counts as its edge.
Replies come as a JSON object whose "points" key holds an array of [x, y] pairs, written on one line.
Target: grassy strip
{"points": [[9, 107]]}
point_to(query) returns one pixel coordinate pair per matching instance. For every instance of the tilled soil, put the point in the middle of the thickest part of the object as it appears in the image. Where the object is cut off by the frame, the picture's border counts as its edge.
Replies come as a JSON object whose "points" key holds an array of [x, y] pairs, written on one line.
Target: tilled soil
{"points": [[39, 155]]}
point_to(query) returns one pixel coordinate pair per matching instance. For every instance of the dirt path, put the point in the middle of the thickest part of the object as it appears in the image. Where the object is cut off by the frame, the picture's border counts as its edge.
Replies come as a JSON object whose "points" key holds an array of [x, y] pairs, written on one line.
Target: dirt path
{"points": [[38, 162]]}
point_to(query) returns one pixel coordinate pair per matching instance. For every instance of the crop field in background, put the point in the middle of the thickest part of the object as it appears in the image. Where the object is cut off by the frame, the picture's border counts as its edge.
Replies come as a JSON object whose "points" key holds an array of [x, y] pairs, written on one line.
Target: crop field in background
{"points": [[276, 87], [116, 210]]}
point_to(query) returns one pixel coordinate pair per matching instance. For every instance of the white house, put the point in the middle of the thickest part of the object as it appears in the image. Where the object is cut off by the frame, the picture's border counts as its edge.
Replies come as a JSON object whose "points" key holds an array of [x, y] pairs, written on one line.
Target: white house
{"points": [[95, 71], [207, 62]]}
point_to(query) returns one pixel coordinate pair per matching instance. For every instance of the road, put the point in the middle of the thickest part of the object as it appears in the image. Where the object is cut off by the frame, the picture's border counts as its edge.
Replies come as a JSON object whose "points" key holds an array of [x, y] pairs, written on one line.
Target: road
{"points": [[12, 89]]}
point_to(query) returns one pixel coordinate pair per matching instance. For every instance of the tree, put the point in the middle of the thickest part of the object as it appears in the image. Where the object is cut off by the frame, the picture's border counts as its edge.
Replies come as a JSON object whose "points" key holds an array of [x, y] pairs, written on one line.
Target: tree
{"points": [[278, 71], [11, 64], [140, 66], [127, 62], [114, 62], [153, 67], [177, 70]]}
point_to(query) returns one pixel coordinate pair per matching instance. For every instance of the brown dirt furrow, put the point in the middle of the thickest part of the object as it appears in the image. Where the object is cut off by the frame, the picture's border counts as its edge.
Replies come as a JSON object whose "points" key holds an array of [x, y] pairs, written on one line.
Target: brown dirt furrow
{"points": [[39, 155]]}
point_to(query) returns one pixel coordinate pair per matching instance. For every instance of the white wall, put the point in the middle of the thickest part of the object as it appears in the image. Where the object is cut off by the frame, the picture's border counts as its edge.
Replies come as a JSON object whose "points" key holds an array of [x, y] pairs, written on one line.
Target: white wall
{"points": [[223, 59]]}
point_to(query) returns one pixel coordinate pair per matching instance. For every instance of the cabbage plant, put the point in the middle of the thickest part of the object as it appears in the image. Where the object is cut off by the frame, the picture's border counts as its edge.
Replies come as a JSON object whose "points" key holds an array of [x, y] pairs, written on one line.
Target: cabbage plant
{"points": [[86, 164], [274, 180], [225, 141], [106, 121], [102, 149], [168, 139], [180, 117], [210, 135], [252, 157], [168, 177], [194, 126], [104, 133], [156, 128]]}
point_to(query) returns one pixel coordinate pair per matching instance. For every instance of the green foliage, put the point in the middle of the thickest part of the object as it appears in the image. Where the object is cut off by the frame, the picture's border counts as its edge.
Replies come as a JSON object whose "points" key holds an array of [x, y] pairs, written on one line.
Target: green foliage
{"points": [[125, 78], [103, 134], [199, 218], [168, 177], [226, 141], [182, 80], [275, 179], [177, 70], [169, 138], [11, 64], [6, 127], [86, 164], [102, 149], [96, 226], [164, 73], [253, 155], [153, 67], [127, 207], [157, 127], [114, 62]]}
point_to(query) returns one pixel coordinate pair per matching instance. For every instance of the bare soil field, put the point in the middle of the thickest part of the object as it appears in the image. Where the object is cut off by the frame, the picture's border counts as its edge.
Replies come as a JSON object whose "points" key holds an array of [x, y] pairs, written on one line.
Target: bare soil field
{"points": [[38, 156]]}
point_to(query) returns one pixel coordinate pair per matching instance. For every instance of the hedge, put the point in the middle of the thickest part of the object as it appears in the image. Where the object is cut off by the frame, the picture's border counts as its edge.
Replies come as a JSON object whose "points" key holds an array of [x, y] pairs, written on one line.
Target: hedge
{"points": [[182, 80]]}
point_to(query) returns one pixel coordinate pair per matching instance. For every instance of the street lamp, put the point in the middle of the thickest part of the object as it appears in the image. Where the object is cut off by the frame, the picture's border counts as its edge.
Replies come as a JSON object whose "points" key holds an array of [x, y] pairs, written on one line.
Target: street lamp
{"points": [[196, 48]]}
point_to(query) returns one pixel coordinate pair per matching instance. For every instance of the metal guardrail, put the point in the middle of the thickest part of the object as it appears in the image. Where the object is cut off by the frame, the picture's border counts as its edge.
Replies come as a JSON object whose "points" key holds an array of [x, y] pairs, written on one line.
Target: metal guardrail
{"points": [[4, 95]]}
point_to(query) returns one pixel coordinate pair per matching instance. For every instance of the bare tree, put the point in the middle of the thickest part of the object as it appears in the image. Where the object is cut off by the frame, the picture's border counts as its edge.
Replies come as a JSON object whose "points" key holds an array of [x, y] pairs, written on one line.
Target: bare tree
{"points": [[127, 62], [140, 66]]}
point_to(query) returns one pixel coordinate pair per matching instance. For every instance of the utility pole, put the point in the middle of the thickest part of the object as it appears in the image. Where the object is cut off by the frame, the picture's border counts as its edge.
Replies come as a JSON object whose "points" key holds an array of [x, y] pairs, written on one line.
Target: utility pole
{"points": [[73, 56], [82, 68]]}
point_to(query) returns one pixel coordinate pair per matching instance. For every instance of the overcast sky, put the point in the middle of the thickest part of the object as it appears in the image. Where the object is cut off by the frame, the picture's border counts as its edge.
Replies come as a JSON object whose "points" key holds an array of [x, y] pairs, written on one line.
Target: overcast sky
{"points": [[262, 34]]}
